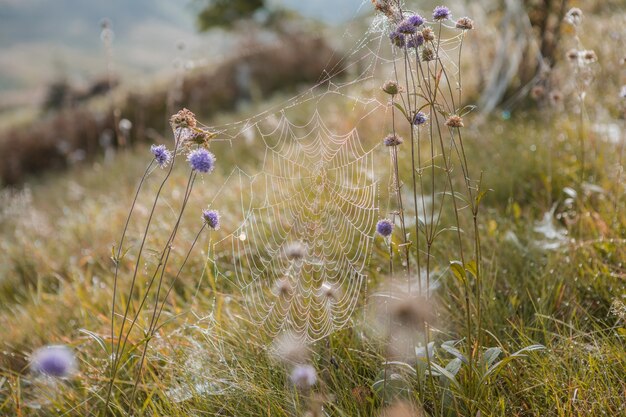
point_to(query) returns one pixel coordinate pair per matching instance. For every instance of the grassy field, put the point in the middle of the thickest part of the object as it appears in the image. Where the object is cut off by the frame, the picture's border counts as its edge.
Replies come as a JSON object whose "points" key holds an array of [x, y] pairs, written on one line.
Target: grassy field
{"points": [[552, 277]]}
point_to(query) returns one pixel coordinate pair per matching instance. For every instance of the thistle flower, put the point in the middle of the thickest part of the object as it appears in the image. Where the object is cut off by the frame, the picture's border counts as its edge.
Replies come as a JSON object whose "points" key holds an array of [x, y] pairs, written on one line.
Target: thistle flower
{"points": [[420, 118], [303, 376], [211, 218], [184, 118], [397, 39], [161, 155], [201, 160], [384, 227], [428, 34], [428, 55], [465, 23], [56, 360], [393, 140], [416, 20], [406, 28], [441, 13], [415, 41], [454, 121], [391, 87]]}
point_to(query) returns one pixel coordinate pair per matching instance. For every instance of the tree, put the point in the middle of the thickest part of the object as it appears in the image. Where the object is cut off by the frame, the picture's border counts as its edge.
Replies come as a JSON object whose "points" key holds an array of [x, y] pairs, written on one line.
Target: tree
{"points": [[224, 13]]}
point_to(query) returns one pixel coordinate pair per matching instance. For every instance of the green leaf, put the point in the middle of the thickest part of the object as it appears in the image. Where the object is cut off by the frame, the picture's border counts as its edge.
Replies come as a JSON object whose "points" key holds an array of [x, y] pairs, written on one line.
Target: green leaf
{"points": [[457, 269], [454, 366], [445, 375], [448, 346], [399, 107], [490, 356]]}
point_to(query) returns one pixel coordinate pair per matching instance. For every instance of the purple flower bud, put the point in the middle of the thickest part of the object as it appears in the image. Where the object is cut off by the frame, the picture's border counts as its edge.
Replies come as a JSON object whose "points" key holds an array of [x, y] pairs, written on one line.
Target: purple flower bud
{"points": [[56, 360], [441, 13], [201, 160], [420, 118], [416, 20], [211, 218], [161, 155], [303, 376], [384, 227], [406, 28], [416, 41], [397, 39]]}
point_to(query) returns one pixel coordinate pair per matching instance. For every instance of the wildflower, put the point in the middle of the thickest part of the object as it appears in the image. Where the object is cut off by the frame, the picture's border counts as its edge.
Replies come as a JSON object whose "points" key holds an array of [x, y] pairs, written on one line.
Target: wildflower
{"points": [[384, 227], [295, 251], [161, 155], [406, 28], [415, 41], [303, 376], [184, 118], [397, 39], [199, 137], [393, 140], [290, 348], [420, 118], [465, 23], [201, 160], [211, 218], [574, 16], [441, 13], [428, 34], [56, 360], [428, 54], [416, 20], [391, 87], [454, 121]]}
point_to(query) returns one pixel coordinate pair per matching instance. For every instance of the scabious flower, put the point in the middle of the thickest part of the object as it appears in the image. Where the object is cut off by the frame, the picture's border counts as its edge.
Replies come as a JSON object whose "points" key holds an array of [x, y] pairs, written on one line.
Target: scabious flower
{"points": [[465, 23], [441, 13], [56, 360], [420, 118], [201, 160], [303, 376], [428, 34], [416, 20], [161, 155], [454, 121], [384, 227], [407, 28], [397, 39], [211, 218], [392, 140], [415, 41]]}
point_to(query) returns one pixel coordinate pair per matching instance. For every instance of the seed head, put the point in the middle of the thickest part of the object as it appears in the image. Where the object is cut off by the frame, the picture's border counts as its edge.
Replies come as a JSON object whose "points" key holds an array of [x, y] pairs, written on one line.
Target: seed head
{"points": [[420, 118], [56, 360], [211, 218], [465, 23], [391, 87], [384, 227], [441, 13], [428, 54], [454, 121], [393, 140], [161, 155], [428, 34], [303, 376], [184, 118], [201, 160]]}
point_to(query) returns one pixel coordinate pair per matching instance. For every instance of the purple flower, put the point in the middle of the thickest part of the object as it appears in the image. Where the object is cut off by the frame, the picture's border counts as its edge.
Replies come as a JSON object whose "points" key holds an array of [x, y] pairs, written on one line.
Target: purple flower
{"points": [[416, 20], [55, 360], [303, 376], [397, 39], [441, 13], [211, 218], [384, 227], [201, 160], [407, 28], [420, 118], [161, 155], [416, 41]]}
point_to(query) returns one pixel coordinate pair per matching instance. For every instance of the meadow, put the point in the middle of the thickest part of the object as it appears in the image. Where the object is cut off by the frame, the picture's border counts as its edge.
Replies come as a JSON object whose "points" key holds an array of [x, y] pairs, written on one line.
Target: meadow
{"points": [[382, 247]]}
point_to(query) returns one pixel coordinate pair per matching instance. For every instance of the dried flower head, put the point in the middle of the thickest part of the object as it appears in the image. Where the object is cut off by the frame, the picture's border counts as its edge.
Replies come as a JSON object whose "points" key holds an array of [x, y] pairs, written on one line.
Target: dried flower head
{"points": [[161, 155], [465, 23], [303, 376], [295, 251], [428, 34], [454, 121], [362, 394], [416, 20], [428, 54], [391, 87], [184, 118], [415, 41], [56, 360], [397, 39], [420, 118], [441, 13], [386, 7], [211, 218], [393, 140], [574, 16], [200, 137], [406, 28], [384, 227], [618, 309], [201, 160]]}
